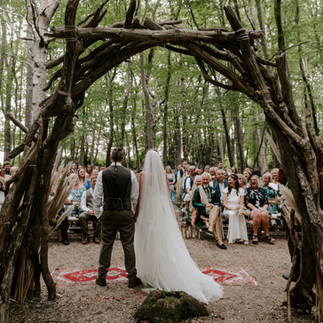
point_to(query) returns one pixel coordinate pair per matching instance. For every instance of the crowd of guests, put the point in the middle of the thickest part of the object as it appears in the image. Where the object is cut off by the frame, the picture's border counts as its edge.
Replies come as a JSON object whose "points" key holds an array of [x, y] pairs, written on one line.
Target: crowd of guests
{"points": [[213, 193], [80, 197], [208, 193]]}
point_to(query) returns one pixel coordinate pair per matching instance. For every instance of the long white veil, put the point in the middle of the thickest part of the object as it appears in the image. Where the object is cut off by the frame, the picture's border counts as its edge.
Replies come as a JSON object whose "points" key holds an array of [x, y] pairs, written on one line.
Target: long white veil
{"points": [[162, 259], [154, 183]]}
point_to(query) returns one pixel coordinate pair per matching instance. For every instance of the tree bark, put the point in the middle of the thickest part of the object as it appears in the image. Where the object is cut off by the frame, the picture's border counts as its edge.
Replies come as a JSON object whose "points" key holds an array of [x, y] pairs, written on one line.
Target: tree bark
{"points": [[165, 110]]}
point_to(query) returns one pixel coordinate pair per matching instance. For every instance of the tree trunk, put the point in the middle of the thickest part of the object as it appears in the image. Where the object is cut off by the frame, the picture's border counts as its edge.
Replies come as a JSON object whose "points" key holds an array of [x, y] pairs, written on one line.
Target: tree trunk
{"points": [[7, 129], [148, 108], [124, 107], [261, 154], [238, 138], [227, 137], [165, 110], [134, 134]]}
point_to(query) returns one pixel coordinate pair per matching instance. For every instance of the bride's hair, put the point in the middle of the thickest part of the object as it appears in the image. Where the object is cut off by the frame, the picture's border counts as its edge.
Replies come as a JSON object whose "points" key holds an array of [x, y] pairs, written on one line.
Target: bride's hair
{"points": [[154, 178]]}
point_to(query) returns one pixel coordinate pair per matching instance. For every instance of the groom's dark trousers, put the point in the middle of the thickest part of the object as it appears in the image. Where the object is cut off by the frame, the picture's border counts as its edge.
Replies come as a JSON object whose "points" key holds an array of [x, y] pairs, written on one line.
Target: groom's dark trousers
{"points": [[111, 222], [117, 216]]}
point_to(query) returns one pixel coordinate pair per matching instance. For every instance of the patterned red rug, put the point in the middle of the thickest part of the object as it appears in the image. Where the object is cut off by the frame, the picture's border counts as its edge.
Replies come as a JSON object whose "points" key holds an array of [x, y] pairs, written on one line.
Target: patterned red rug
{"points": [[225, 277]]}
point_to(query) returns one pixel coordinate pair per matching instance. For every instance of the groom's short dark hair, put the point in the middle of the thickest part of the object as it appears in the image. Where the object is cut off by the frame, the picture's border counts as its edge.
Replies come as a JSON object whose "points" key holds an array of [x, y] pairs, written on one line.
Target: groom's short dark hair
{"points": [[117, 154]]}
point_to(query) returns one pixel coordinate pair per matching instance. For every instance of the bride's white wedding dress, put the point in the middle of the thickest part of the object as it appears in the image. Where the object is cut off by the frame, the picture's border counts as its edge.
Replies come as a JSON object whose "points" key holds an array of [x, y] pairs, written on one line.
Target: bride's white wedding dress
{"points": [[162, 259]]}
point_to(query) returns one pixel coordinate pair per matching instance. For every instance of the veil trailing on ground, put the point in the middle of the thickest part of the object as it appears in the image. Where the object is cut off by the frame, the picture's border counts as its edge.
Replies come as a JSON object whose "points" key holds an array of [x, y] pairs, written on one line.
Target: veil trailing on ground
{"points": [[162, 259]]}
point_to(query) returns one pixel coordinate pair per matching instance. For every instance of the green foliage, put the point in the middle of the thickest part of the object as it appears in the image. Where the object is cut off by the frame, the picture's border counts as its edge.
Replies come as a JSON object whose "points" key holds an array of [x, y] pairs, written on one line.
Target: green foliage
{"points": [[197, 106]]}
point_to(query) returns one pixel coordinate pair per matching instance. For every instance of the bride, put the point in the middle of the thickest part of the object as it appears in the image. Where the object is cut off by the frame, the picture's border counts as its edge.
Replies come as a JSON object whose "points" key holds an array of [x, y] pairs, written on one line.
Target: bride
{"points": [[162, 259]]}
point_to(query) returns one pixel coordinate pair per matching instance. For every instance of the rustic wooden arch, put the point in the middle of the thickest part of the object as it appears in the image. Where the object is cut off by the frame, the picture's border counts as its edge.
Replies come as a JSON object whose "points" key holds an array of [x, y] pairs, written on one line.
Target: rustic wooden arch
{"points": [[23, 217]]}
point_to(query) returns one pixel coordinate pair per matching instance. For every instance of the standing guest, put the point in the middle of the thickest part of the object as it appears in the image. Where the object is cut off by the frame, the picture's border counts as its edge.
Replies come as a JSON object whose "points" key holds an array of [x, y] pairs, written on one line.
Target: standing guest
{"points": [[83, 179], [171, 182], [228, 171], [247, 174], [6, 167], [220, 165], [206, 200], [179, 174], [97, 168], [89, 215], [88, 170], [102, 168], [207, 168], [233, 200], [256, 200], [242, 181], [187, 186], [118, 188], [185, 165], [179, 177], [220, 182]]}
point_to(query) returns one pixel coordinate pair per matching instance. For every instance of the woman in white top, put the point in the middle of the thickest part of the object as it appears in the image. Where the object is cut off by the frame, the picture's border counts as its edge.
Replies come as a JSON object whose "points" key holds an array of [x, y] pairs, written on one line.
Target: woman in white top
{"points": [[233, 199]]}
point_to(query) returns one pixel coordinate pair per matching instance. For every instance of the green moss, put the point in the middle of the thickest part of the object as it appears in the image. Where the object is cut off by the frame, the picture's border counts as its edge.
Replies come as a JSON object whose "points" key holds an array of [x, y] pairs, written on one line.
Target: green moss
{"points": [[169, 307]]}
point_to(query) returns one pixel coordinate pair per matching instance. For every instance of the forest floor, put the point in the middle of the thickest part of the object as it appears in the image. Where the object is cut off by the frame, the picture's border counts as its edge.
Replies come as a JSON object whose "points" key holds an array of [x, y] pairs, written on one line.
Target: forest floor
{"points": [[117, 303]]}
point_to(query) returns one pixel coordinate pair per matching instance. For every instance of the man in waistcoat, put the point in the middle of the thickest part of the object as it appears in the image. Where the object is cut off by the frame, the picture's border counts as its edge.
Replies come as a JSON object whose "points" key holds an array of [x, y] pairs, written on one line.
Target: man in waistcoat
{"points": [[89, 215], [117, 189]]}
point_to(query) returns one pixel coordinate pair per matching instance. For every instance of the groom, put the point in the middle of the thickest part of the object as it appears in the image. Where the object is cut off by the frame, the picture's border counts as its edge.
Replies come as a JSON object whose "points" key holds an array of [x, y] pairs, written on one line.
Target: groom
{"points": [[117, 187]]}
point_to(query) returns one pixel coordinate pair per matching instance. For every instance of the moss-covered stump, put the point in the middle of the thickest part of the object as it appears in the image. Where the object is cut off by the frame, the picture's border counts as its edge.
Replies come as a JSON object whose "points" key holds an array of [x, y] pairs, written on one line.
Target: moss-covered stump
{"points": [[169, 307]]}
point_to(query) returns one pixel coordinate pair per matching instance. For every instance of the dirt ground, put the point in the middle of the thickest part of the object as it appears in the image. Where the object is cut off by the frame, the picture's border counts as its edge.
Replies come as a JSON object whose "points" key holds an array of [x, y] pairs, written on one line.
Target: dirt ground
{"points": [[117, 303]]}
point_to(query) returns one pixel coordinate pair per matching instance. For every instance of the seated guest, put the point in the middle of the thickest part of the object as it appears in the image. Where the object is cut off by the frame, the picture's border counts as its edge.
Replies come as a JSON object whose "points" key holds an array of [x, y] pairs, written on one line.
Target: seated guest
{"points": [[242, 181], [83, 179], [6, 167], [206, 200], [275, 177], [212, 173], [76, 196], [228, 171], [88, 171], [233, 201], [234, 170], [247, 174], [197, 183], [74, 168], [272, 196], [88, 215], [256, 200], [95, 172], [220, 182]]}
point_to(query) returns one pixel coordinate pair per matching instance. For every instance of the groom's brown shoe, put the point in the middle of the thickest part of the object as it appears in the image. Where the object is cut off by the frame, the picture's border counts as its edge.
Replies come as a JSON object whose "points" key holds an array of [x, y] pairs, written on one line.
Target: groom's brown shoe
{"points": [[100, 281], [133, 282]]}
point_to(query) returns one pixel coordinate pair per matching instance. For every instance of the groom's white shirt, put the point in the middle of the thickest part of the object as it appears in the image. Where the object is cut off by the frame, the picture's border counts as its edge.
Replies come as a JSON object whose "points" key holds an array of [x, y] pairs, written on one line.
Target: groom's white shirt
{"points": [[98, 196]]}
